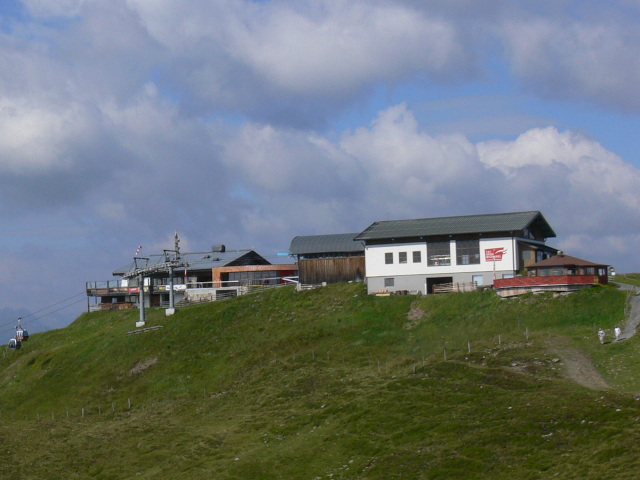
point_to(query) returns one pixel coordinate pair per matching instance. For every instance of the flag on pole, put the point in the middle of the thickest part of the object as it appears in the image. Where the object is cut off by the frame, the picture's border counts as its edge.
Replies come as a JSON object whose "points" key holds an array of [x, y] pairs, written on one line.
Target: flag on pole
{"points": [[138, 250]]}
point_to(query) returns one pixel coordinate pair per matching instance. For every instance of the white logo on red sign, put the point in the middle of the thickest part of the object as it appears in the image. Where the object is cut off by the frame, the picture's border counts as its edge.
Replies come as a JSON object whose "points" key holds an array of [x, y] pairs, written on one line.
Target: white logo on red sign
{"points": [[494, 254]]}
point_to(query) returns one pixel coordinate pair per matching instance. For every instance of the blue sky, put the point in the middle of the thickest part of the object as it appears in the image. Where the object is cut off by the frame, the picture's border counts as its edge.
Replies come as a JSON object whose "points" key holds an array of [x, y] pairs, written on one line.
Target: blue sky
{"points": [[248, 123]]}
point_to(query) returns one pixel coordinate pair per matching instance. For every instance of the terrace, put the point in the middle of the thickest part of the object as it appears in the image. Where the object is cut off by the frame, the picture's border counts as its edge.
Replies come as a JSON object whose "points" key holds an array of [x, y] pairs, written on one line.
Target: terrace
{"points": [[560, 273]]}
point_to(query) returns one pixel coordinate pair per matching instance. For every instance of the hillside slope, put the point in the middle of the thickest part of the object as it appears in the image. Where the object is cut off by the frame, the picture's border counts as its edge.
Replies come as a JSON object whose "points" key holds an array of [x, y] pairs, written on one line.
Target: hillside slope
{"points": [[329, 383]]}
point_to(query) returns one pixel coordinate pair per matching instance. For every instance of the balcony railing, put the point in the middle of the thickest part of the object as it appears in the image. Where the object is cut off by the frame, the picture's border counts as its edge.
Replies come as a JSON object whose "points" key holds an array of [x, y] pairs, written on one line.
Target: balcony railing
{"points": [[552, 280], [120, 287]]}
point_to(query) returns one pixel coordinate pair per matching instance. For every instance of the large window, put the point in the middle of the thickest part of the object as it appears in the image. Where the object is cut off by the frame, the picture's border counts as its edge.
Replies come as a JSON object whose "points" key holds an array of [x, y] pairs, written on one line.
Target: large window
{"points": [[438, 253], [417, 258], [270, 277], [402, 257], [467, 252], [388, 258]]}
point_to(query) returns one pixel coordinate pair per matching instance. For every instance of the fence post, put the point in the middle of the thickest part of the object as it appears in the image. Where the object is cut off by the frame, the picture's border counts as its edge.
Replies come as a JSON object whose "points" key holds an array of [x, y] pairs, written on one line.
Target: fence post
{"points": [[469, 346], [526, 333], [445, 354], [499, 339]]}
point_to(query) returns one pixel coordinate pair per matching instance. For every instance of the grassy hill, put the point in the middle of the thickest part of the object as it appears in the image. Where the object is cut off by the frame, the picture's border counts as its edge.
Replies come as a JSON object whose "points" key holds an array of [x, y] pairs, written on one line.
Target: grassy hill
{"points": [[630, 278], [328, 383]]}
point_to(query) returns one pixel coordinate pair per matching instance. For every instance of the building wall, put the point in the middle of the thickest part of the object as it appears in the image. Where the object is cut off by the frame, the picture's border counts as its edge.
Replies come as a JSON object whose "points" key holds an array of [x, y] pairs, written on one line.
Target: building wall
{"points": [[413, 275], [331, 270], [418, 283]]}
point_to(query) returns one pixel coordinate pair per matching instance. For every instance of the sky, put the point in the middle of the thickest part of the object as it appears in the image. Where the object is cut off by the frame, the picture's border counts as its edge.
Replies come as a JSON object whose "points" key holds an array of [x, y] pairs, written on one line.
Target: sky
{"points": [[246, 123]]}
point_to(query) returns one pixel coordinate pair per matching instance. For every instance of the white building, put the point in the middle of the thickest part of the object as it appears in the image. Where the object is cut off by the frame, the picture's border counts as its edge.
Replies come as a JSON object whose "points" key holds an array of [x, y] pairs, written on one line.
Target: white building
{"points": [[415, 255]]}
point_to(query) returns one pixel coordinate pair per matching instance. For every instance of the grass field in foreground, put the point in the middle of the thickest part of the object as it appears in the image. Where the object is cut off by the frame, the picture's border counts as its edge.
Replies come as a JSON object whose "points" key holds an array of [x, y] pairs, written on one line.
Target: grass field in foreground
{"points": [[329, 383]]}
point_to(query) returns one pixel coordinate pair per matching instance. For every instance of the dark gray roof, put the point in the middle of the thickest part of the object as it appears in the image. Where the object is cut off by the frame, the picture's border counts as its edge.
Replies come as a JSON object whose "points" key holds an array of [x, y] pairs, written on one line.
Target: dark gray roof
{"points": [[198, 260], [466, 224], [340, 242]]}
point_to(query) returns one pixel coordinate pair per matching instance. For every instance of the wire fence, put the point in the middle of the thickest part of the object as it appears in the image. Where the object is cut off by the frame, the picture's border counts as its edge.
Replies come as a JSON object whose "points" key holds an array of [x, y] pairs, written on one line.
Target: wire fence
{"points": [[393, 366]]}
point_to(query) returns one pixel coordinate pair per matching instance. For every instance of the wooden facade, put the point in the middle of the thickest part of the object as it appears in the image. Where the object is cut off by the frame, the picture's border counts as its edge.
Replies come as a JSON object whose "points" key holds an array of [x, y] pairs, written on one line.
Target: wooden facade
{"points": [[330, 258], [276, 271], [331, 270]]}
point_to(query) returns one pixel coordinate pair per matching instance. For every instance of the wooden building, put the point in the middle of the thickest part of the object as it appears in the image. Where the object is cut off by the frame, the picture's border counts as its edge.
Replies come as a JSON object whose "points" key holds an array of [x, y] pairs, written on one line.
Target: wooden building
{"points": [[560, 273], [329, 258]]}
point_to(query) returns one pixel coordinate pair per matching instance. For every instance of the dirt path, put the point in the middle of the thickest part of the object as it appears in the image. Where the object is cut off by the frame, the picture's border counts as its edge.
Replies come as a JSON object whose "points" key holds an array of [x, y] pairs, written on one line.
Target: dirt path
{"points": [[631, 326], [579, 368]]}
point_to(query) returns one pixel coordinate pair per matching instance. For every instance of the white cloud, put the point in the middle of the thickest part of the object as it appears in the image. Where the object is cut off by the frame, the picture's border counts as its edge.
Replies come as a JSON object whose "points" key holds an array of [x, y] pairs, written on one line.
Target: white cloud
{"points": [[36, 137], [343, 45], [244, 54], [592, 172], [594, 60], [392, 169]]}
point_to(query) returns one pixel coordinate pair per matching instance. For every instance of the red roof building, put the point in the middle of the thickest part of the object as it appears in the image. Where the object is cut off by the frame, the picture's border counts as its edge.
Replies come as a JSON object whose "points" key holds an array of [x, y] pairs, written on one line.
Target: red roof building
{"points": [[560, 273]]}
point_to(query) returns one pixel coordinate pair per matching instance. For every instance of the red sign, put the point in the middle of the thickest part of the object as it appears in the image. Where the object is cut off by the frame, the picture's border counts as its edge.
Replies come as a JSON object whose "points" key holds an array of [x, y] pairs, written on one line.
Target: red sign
{"points": [[134, 289], [494, 254]]}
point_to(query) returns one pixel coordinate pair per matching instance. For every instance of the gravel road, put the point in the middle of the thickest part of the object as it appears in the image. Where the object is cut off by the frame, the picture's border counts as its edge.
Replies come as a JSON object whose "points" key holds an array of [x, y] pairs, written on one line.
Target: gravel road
{"points": [[631, 326]]}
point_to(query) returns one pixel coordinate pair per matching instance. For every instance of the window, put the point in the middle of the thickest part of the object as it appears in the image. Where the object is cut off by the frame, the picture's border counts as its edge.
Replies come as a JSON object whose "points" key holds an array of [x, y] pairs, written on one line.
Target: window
{"points": [[388, 258], [417, 256], [389, 282], [468, 252], [255, 277], [477, 279], [438, 253], [402, 257]]}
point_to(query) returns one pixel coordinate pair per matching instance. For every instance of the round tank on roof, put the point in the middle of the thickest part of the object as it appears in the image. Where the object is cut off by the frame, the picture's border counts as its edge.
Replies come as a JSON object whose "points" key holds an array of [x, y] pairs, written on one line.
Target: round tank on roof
{"points": [[219, 248]]}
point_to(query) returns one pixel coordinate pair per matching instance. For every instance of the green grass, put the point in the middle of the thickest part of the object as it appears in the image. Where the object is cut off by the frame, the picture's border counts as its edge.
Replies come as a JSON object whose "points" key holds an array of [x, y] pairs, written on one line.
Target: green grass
{"points": [[328, 383], [630, 278]]}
